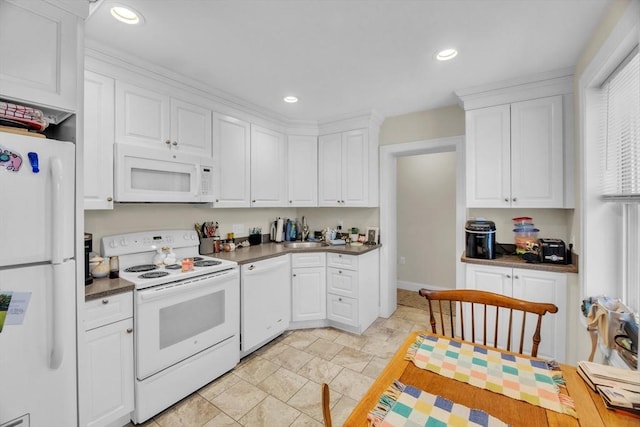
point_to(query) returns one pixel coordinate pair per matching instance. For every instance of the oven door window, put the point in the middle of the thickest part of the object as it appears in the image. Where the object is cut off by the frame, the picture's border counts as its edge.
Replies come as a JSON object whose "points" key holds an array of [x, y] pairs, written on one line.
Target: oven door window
{"points": [[176, 321], [203, 314]]}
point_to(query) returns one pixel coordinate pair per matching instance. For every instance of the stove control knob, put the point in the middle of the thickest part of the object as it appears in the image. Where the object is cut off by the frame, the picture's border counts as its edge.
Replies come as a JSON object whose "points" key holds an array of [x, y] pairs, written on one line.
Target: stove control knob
{"points": [[124, 242], [193, 236], [186, 236], [113, 244]]}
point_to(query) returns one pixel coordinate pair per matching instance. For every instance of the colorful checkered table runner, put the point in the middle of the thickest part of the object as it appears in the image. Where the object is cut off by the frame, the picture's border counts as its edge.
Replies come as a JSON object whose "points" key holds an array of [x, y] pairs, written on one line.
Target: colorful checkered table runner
{"points": [[405, 405], [521, 378]]}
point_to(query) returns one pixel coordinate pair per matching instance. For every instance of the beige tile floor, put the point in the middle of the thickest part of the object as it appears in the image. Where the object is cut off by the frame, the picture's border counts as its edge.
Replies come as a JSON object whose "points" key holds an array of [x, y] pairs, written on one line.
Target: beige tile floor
{"points": [[279, 384]]}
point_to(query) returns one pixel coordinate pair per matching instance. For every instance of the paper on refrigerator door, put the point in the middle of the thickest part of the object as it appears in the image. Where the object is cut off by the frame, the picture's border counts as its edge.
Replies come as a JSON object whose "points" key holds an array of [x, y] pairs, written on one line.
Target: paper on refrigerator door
{"points": [[5, 300], [17, 308]]}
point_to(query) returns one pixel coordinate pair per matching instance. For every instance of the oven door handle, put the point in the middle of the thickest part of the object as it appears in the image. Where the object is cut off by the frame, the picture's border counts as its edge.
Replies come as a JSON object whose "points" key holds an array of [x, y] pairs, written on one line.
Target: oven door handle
{"points": [[196, 283]]}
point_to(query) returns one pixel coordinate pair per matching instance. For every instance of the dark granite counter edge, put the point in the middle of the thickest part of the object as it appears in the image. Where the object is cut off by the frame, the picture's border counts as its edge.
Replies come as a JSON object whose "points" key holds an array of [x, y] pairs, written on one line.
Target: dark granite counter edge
{"points": [[270, 250], [101, 288], [515, 261]]}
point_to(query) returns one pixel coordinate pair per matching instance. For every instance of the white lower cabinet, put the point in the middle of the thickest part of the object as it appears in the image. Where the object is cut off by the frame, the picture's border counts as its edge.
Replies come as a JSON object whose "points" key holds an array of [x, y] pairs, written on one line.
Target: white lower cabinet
{"points": [[353, 283], [265, 301], [530, 285], [109, 337], [308, 286]]}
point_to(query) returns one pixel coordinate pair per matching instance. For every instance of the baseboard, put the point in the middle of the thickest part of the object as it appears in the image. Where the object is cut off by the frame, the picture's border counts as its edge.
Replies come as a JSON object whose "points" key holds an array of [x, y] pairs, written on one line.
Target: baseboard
{"points": [[412, 286]]}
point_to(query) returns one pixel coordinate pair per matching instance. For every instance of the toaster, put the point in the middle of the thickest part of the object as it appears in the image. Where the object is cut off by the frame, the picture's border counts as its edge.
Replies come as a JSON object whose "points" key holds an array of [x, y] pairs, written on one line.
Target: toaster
{"points": [[552, 251]]}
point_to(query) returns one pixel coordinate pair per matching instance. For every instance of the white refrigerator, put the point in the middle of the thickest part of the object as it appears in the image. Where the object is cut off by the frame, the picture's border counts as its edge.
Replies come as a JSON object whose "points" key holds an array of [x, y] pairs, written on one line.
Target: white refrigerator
{"points": [[37, 282]]}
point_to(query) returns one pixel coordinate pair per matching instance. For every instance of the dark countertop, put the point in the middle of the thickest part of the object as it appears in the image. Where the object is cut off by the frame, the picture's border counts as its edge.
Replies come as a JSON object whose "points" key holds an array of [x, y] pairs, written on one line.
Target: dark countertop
{"points": [[271, 250], [104, 287], [514, 261]]}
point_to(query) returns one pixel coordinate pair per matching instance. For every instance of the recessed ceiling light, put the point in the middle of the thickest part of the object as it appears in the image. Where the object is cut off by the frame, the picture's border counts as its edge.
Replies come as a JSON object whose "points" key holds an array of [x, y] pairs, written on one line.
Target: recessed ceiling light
{"points": [[446, 54], [290, 99], [126, 14]]}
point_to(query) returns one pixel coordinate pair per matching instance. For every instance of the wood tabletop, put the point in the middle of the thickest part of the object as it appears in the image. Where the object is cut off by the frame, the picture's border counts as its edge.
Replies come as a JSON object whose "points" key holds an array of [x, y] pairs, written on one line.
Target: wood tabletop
{"points": [[591, 411]]}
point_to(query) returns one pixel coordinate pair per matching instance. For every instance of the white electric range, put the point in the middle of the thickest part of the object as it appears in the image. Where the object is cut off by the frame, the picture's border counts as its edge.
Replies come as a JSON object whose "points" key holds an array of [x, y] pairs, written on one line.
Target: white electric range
{"points": [[186, 323]]}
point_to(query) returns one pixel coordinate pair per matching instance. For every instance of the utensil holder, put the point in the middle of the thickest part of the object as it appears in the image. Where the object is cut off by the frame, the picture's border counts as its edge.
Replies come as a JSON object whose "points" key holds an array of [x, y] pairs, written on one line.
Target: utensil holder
{"points": [[255, 239], [206, 245]]}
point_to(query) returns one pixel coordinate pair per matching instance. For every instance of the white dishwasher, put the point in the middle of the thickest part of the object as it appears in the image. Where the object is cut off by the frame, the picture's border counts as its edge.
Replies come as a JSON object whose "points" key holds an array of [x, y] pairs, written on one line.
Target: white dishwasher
{"points": [[265, 308]]}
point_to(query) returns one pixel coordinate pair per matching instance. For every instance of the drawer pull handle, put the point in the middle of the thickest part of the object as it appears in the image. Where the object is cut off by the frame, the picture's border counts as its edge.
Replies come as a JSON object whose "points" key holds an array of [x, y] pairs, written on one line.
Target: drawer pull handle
{"points": [[105, 301], [340, 299], [129, 330], [339, 271]]}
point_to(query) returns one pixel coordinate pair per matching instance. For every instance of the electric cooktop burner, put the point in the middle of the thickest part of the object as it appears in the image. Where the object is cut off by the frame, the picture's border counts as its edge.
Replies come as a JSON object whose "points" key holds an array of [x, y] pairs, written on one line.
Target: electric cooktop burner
{"points": [[173, 267], [153, 275], [141, 268], [197, 258], [206, 263]]}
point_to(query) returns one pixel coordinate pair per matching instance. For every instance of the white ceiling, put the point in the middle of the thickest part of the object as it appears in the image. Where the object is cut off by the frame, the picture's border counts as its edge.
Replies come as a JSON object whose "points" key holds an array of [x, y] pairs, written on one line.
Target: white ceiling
{"points": [[343, 57]]}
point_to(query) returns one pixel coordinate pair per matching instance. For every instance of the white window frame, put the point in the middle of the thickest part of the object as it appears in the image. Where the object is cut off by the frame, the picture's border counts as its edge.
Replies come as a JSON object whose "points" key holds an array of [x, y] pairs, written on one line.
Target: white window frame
{"points": [[609, 245], [603, 236]]}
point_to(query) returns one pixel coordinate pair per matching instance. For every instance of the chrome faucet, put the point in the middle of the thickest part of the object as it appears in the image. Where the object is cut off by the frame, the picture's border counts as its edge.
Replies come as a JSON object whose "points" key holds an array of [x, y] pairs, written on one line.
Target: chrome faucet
{"points": [[305, 229]]}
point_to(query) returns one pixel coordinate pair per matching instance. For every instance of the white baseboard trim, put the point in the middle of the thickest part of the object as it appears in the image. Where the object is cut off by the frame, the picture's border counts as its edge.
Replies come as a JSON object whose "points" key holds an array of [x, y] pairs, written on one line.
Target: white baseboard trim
{"points": [[412, 286]]}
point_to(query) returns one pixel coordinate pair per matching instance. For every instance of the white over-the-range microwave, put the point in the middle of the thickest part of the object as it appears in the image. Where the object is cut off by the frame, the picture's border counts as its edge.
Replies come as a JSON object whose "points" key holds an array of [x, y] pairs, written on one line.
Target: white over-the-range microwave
{"points": [[149, 175]]}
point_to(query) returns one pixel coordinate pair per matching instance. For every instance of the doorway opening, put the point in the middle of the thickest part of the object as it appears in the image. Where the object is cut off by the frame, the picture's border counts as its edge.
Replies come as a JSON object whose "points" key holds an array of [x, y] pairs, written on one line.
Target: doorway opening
{"points": [[389, 155]]}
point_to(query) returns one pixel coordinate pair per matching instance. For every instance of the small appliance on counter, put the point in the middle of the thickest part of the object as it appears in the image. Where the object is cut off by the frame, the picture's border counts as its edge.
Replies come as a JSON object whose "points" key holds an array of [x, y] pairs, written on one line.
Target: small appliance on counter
{"points": [[552, 251], [480, 237]]}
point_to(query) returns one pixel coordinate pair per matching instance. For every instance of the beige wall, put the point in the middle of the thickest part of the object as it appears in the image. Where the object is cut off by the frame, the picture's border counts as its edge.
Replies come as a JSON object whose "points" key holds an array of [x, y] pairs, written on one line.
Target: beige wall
{"points": [[423, 125], [427, 220]]}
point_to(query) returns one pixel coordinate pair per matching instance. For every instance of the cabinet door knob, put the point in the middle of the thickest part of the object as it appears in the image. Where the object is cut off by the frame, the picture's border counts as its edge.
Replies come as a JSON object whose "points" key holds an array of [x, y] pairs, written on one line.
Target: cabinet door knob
{"points": [[508, 276], [515, 199], [174, 143], [339, 299], [290, 201], [105, 301], [129, 330], [252, 267], [506, 199], [167, 142], [217, 200], [339, 271], [294, 275], [516, 277], [253, 201], [109, 199]]}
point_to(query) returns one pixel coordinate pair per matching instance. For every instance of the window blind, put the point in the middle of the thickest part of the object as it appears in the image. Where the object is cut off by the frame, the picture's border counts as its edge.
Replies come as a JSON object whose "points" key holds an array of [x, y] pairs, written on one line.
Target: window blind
{"points": [[621, 136]]}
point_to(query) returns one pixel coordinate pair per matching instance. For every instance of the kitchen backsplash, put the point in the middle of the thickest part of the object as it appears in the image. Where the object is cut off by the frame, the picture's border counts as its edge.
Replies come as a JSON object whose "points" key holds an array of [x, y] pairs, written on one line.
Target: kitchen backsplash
{"points": [[125, 218], [554, 223]]}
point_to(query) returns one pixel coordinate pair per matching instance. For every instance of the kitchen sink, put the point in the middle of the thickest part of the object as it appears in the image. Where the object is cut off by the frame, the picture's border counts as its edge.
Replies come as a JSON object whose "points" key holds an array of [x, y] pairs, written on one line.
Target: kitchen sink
{"points": [[305, 245]]}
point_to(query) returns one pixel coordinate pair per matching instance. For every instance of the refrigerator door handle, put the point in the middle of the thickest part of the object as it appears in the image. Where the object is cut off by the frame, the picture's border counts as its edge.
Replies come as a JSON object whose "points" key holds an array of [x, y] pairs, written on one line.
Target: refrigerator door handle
{"points": [[57, 219], [57, 315], [57, 225]]}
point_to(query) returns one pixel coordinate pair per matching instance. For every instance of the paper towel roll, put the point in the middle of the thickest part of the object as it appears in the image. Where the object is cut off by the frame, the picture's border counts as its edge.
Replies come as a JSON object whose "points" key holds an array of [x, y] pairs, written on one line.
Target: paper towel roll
{"points": [[279, 230]]}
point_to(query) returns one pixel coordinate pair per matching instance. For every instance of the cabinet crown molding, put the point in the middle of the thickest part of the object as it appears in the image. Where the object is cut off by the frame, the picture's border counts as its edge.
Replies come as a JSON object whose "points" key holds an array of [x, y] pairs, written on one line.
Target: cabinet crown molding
{"points": [[558, 82]]}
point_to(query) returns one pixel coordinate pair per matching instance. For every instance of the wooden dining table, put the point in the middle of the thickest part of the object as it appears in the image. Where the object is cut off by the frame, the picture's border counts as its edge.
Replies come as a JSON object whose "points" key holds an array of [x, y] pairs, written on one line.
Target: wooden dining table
{"points": [[588, 404]]}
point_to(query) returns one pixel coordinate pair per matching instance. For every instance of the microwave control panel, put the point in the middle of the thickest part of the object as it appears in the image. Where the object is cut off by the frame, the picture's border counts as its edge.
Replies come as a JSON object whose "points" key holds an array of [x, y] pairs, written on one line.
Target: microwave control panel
{"points": [[206, 182]]}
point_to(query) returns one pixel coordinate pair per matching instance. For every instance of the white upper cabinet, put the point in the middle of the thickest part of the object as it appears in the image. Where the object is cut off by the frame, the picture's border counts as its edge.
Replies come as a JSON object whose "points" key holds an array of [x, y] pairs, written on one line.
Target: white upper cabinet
{"points": [[343, 178], [302, 168], [190, 128], [98, 141], [268, 168], [232, 157], [142, 116], [515, 155], [154, 119], [38, 45]]}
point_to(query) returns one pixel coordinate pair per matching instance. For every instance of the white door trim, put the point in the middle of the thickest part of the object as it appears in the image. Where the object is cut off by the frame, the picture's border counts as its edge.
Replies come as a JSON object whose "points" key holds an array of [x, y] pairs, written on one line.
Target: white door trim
{"points": [[388, 209]]}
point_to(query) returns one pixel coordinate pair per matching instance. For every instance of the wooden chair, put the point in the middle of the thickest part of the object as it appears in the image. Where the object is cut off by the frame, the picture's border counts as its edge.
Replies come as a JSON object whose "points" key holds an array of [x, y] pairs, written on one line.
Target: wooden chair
{"points": [[469, 299], [326, 400]]}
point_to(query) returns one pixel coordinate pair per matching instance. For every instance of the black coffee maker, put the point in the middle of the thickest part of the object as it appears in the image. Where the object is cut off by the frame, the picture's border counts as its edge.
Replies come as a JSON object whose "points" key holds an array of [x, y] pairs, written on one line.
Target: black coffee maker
{"points": [[88, 247]]}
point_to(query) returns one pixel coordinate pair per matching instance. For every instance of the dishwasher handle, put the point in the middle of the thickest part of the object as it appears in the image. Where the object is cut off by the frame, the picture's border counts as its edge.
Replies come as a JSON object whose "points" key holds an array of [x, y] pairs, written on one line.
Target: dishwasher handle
{"points": [[260, 269]]}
